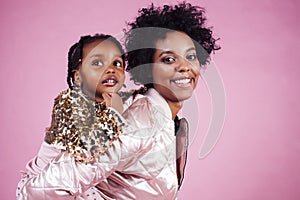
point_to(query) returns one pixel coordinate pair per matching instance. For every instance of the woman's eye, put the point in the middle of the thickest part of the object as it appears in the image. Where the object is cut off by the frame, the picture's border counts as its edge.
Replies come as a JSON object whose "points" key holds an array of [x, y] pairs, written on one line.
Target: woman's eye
{"points": [[118, 64], [168, 59], [97, 63], [191, 57]]}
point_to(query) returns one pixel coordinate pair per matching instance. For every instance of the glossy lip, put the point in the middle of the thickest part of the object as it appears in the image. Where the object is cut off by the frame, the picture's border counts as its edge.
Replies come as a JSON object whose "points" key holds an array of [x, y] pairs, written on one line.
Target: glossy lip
{"points": [[183, 82], [110, 81]]}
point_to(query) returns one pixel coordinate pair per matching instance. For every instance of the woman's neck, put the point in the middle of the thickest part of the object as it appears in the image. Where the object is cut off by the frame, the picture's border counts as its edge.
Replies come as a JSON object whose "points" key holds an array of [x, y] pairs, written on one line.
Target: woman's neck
{"points": [[175, 107]]}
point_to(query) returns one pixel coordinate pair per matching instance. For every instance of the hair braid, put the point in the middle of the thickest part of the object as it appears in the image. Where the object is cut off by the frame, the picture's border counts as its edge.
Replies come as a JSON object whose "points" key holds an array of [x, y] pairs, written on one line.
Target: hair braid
{"points": [[75, 53]]}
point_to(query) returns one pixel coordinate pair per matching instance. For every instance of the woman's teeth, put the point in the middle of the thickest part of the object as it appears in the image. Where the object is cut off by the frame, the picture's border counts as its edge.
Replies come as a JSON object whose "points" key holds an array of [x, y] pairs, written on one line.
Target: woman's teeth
{"points": [[182, 81]]}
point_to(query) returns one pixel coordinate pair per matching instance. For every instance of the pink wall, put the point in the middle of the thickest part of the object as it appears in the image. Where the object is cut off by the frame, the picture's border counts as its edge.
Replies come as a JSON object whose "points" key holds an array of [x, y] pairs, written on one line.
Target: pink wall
{"points": [[257, 156]]}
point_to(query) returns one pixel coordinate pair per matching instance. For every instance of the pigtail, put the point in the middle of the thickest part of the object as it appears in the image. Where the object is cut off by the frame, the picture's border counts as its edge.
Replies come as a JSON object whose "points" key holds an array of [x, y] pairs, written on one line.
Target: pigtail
{"points": [[70, 77]]}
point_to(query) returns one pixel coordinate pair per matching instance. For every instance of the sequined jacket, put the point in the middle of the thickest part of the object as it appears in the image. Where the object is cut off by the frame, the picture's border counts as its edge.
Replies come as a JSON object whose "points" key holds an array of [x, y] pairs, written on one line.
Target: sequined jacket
{"points": [[140, 165]]}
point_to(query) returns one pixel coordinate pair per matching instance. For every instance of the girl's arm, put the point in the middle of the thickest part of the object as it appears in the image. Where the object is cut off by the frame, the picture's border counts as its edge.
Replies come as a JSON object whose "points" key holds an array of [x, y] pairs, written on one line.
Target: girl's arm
{"points": [[30, 188], [64, 176], [45, 155], [60, 179], [114, 101]]}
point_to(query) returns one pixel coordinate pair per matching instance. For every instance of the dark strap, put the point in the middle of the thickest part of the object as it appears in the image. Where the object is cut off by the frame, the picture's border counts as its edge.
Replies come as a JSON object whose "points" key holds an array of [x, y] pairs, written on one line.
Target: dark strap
{"points": [[181, 147], [176, 124]]}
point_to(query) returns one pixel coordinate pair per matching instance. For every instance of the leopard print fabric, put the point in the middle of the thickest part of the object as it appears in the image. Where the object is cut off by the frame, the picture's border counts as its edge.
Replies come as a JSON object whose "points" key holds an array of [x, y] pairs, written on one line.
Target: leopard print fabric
{"points": [[84, 127]]}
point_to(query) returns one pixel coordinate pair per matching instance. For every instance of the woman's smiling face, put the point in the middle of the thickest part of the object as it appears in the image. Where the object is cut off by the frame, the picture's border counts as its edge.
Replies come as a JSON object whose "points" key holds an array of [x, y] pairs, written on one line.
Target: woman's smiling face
{"points": [[176, 68]]}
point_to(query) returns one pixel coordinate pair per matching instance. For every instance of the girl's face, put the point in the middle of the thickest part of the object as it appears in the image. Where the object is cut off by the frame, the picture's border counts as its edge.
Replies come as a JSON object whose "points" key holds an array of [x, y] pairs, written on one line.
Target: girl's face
{"points": [[176, 68], [102, 69]]}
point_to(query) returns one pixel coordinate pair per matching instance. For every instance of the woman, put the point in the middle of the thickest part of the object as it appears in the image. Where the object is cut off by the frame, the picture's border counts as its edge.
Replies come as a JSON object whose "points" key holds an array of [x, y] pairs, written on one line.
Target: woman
{"points": [[164, 56]]}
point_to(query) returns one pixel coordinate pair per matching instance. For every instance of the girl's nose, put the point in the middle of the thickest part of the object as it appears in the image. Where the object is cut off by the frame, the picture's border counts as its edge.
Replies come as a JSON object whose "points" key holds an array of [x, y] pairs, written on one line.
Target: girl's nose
{"points": [[110, 69]]}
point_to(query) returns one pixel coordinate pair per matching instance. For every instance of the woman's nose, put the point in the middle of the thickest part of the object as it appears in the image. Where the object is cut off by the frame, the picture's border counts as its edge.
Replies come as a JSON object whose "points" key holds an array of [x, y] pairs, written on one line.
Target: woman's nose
{"points": [[183, 65]]}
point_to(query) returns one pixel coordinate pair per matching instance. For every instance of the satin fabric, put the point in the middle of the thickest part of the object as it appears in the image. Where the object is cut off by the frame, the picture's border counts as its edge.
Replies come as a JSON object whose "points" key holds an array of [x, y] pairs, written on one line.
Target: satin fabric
{"points": [[140, 165]]}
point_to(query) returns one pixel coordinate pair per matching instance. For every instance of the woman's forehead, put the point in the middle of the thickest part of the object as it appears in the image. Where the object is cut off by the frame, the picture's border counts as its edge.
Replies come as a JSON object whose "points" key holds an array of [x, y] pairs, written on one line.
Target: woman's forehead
{"points": [[174, 41]]}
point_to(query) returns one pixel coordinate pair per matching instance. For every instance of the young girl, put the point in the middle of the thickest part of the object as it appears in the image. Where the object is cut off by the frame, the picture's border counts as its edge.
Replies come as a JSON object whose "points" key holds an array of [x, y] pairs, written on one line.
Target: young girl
{"points": [[82, 123], [81, 120], [166, 46]]}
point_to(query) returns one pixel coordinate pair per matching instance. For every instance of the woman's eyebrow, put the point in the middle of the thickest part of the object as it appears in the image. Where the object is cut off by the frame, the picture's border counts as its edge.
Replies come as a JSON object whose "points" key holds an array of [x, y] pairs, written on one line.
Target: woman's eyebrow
{"points": [[172, 52]]}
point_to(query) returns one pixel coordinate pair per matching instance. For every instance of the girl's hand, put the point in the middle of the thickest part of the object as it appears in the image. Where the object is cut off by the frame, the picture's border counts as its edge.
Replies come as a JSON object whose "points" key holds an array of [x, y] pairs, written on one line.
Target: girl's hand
{"points": [[113, 100]]}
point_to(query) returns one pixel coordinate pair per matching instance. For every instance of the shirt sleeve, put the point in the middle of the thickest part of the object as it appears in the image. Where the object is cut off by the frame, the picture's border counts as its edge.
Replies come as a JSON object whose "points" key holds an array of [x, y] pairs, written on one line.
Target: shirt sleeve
{"points": [[45, 155]]}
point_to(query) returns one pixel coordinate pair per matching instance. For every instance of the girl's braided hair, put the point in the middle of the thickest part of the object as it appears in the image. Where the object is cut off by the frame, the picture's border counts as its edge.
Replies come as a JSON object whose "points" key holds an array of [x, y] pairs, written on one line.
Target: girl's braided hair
{"points": [[75, 53]]}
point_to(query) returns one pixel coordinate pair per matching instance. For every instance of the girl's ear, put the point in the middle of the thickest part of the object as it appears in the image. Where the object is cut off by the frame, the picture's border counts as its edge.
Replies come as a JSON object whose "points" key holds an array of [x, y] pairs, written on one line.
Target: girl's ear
{"points": [[77, 77]]}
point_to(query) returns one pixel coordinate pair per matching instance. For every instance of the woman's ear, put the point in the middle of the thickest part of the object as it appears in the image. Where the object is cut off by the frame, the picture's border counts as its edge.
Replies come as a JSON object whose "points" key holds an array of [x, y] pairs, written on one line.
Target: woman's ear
{"points": [[77, 77]]}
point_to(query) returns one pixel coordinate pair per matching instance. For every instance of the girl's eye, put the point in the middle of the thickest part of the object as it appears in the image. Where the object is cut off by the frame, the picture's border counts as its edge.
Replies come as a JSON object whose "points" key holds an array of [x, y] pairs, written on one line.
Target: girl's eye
{"points": [[169, 59], [97, 63], [118, 64], [191, 57]]}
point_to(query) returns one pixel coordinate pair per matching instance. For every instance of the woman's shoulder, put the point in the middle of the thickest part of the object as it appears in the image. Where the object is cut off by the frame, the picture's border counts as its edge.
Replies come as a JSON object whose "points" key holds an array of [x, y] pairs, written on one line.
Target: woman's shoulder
{"points": [[143, 113], [131, 96], [139, 112]]}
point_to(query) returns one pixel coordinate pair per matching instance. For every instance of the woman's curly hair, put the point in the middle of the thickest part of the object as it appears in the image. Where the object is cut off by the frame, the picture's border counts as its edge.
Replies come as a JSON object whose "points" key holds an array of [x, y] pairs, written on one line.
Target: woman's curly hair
{"points": [[154, 23]]}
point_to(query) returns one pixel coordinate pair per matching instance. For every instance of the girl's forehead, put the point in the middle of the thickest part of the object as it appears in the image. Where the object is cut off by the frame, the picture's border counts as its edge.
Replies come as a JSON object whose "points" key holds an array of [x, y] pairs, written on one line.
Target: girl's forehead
{"points": [[100, 46]]}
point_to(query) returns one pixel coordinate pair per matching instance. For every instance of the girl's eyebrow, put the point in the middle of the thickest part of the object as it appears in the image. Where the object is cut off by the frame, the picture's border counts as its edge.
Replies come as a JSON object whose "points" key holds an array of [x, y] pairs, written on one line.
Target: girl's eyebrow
{"points": [[172, 52], [165, 52], [96, 55], [101, 55]]}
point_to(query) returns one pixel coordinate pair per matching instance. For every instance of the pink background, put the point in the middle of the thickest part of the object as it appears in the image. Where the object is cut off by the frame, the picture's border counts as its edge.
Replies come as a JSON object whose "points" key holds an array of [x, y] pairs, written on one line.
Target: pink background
{"points": [[257, 156]]}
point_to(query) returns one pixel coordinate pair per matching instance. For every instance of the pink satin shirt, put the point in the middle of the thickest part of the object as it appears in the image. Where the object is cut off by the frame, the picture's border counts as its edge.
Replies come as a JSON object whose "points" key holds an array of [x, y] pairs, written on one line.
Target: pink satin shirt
{"points": [[140, 165]]}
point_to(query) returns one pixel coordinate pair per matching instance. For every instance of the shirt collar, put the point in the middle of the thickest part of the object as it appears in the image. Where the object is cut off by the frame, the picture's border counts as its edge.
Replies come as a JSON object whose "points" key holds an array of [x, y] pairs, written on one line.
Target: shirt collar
{"points": [[157, 100]]}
